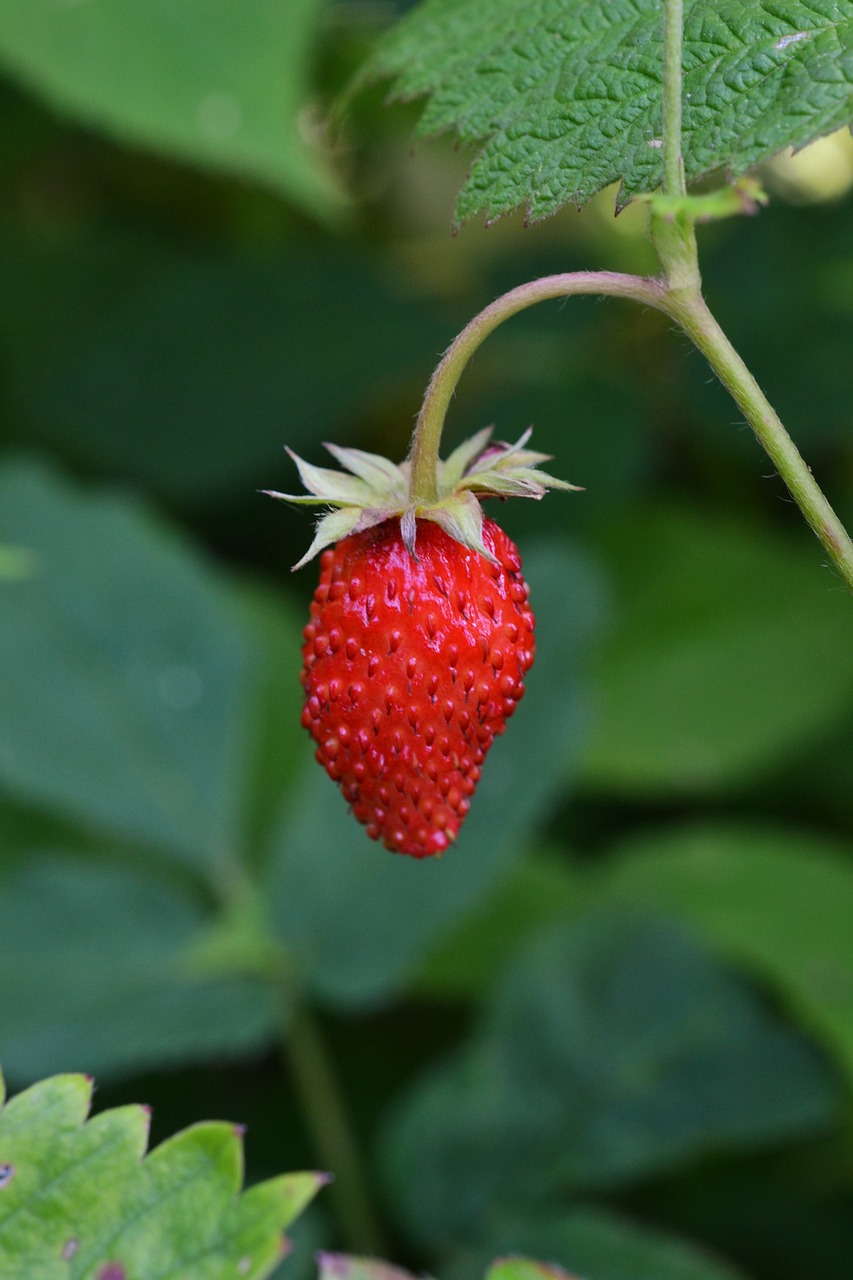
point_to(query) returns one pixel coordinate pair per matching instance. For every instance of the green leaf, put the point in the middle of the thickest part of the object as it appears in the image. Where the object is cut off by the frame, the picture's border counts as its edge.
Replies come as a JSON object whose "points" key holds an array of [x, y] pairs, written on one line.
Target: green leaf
{"points": [[221, 85], [615, 1050], [80, 1203], [603, 1246], [779, 901], [731, 655], [100, 974], [126, 711], [356, 919], [566, 97]]}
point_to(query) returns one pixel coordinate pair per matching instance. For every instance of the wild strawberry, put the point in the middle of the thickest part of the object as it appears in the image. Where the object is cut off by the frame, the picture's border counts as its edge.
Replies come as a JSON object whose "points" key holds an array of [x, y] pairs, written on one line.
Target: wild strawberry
{"points": [[419, 638]]}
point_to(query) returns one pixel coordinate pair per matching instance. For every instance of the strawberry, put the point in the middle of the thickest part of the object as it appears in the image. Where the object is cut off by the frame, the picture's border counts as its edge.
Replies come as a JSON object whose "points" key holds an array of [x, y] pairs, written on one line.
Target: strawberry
{"points": [[419, 638], [411, 667]]}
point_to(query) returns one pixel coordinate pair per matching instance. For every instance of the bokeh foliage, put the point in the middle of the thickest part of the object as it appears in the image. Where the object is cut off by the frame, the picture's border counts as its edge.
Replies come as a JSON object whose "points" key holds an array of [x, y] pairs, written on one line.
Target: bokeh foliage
{"points": [[614, 1026]]}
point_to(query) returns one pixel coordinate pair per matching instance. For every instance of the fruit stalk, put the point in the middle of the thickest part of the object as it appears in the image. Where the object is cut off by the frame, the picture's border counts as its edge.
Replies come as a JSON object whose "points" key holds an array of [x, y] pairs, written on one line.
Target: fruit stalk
{"points": [[419, 635], [427, 437]]}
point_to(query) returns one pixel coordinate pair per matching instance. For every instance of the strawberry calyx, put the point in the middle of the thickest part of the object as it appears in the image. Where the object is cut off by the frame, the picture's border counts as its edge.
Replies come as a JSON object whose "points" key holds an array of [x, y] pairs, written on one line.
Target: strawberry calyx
{"points": [[372, 490]]}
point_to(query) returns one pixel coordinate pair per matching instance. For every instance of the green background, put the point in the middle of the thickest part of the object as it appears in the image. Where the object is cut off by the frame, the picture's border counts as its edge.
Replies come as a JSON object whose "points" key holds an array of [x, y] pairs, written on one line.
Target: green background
{"points": [[613, 1028]]}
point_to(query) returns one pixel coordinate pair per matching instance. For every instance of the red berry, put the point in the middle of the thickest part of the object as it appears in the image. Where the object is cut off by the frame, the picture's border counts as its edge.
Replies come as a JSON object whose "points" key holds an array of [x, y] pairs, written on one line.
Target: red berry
{"points": [[411, 667]]}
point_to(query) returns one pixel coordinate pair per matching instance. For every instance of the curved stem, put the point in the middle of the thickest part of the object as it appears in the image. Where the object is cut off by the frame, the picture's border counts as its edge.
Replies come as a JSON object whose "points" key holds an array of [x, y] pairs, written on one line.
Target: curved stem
{"points": [[682, 300], [427, 437], [679, 295]]}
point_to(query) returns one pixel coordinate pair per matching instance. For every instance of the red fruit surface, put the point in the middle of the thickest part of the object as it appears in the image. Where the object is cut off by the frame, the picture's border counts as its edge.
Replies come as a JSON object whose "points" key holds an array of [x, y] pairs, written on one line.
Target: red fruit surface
{"points": [[411, 667]]}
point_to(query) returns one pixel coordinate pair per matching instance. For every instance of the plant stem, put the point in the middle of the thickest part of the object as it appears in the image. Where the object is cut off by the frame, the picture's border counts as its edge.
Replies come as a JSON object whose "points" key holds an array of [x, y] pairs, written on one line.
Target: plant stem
{"points": [[673, 34], [682, 300], [700, 325], [679, 295], [674, 234], [427, 437], [675, 241], [329, 1125]]}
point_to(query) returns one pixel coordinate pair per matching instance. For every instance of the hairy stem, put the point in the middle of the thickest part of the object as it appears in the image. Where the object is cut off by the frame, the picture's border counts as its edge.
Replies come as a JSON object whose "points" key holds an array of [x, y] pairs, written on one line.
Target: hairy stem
{"points": [[675, 241], [329, 1125], [427, 437], [679, 294], [701, 327], [679, 297]]}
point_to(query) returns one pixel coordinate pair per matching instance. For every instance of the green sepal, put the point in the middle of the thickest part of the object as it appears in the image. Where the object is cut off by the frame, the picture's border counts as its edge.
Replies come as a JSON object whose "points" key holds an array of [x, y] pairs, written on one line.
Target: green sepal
{"points": [[332, 527], [461, 517], [378, 472], [451, 471], [377, 490], [334, 486]]}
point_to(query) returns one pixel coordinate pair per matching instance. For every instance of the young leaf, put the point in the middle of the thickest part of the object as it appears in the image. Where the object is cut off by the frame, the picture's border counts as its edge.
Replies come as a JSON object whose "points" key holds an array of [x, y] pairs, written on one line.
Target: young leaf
{"points": [[78, 1201], [566, 97]]}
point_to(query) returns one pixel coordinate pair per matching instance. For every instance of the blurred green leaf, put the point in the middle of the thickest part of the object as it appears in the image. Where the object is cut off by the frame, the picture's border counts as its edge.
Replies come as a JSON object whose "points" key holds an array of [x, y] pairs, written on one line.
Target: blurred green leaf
{"points": [[777, 900], [617, 1048], [222, 85], [518, 1268], [188, 373], [358, 919], [277, 747], [98, 974], [24, 829], [731, 654], [15, 563], [80, 1203], [823, 776], [131, 672], [534, 895], [603, 1246]]}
